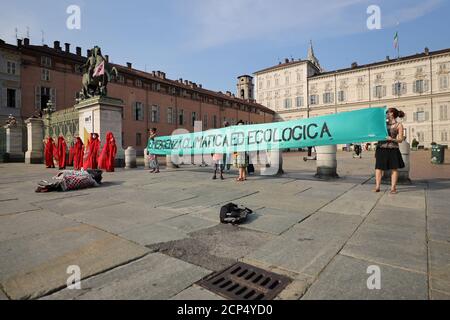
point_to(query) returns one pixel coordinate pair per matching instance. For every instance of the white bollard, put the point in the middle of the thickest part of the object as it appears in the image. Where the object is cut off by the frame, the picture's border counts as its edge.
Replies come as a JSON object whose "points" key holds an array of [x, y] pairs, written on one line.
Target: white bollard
{"points": [[130, 158], [403, 173], [35, 136], [146, 162], [326, 162]]}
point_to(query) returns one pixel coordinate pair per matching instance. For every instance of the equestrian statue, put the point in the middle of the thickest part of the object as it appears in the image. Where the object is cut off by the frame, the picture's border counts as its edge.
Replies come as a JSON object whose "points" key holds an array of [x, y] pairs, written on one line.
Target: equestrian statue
{"points": [[97, 72]]}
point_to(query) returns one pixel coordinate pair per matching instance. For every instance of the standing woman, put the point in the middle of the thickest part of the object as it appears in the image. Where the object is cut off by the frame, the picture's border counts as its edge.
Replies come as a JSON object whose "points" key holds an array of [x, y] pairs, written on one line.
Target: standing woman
{"points": [[61, 152], [91, 152], [387, 154], [49, 152], [78, 154], [106, 159], [153, 159], [240, 161]]}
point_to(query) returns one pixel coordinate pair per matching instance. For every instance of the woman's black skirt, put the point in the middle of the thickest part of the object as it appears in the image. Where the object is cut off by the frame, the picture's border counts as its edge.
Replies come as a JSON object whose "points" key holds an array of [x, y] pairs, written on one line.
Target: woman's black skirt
{"points": [[388, 159]]}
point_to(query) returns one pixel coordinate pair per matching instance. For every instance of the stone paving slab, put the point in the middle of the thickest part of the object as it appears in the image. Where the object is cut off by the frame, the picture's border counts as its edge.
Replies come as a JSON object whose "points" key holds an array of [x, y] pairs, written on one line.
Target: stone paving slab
{"points": [[437, 295], [31, 223], [346, 278], [309, 246], [122, 217], [215, 248], [403, 247], [196, 293], [33, 266], [410, 199], [8, 207], [188, 223], [76, 204], [154, 233], [153, 277], [273, 221], [439, 227], [440, 265], [3, 295]]}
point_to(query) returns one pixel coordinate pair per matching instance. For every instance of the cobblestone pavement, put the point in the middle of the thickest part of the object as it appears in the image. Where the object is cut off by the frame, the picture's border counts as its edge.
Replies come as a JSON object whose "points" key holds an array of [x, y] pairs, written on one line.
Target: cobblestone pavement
{"points": [[154, 236]]}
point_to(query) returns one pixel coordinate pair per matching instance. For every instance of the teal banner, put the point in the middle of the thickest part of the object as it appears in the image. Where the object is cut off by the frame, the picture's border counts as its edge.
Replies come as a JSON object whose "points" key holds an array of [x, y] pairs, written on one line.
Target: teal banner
{"points": [[365, 125]]}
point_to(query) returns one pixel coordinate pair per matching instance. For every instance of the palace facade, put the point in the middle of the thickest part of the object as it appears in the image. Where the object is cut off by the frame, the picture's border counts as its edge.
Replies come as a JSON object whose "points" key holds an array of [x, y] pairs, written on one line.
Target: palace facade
{"points": [[33, 75], [417, 84]]}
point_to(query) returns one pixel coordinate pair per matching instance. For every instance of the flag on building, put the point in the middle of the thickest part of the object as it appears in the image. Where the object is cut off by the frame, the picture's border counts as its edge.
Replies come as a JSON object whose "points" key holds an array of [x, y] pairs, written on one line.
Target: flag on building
{"points": [[396, 40], [99, 70]]}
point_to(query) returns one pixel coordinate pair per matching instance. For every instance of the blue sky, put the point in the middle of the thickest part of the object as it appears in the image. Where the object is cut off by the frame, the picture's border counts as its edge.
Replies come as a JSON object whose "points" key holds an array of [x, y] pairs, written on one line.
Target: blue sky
{"points": [[213, 41]]}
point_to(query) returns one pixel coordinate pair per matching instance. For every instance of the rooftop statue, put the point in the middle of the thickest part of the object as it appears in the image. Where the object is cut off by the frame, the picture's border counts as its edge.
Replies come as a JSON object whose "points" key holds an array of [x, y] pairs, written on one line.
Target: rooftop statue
{"points": [[97, 73]]}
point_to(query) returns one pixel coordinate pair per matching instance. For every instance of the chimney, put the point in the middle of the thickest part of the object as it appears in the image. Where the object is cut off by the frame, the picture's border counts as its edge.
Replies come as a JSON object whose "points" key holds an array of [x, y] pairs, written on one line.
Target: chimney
{"points": [[286, 60], [387, 58], [78, 50], [354, 65], [107, 58], [19, 42], [186, 82], [180, 80], [56, 45], [129, 65], [26, 41], [163, 75], [67, 45], [158, 73], [427, 51], [200, 86]]}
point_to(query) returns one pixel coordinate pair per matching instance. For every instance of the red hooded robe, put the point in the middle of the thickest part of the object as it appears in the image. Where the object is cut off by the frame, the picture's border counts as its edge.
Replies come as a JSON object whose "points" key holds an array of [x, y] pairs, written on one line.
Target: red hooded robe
{"points": [[106, 159], [91, 152], [61, 151], [49, 152], [78, 154]]}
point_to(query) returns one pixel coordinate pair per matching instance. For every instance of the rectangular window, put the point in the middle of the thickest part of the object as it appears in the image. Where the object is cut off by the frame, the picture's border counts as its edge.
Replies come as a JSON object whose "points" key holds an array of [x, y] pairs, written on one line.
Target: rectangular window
{"points": [[287, 80], [287, 103], [11, 67], [379, 91], [205, 121], [193, 118], [360, 93], [43, 96], [10, 98], [215, 121], [299, 102], [138, 83], [328, 97], [341, 96], [138, 138], [443, 112], [181, 117], [420, 86], [268, 84], [120, 79], [45, 75], [443, 82], [299, 77], [138, 111], [444, 136], [169, 115], [276, 82], [46, 61], [154, 114], [313, 99]]}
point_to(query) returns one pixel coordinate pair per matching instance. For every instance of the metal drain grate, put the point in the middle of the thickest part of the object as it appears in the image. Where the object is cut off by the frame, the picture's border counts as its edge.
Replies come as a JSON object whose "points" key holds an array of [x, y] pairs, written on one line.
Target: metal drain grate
{"points": [[245, 282]]}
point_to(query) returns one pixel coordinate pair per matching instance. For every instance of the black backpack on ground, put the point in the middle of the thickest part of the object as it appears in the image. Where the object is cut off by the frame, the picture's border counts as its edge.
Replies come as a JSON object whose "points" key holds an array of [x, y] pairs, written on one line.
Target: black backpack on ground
{"points": [[232, 213]]}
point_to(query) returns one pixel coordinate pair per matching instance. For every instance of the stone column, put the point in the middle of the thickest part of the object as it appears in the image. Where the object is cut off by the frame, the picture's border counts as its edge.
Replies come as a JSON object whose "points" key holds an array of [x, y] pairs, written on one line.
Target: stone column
{"points": [[35, 137], [14, 148], [326, 162], [100, 115], [130, 158]]}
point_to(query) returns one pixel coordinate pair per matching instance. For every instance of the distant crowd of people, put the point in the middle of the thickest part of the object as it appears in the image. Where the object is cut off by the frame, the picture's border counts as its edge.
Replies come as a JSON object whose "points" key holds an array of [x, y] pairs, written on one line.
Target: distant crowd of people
{"points": [[81, 156]]}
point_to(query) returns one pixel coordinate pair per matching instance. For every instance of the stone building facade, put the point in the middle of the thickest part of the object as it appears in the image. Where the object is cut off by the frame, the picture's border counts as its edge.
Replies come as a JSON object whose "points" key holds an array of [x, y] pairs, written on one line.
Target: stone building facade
{"points": [[151, 99], [417, 84]]}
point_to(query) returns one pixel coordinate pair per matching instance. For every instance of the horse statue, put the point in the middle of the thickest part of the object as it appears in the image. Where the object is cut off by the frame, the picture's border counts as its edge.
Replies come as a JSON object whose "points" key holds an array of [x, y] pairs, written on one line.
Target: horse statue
{"points": [[97, 73]]}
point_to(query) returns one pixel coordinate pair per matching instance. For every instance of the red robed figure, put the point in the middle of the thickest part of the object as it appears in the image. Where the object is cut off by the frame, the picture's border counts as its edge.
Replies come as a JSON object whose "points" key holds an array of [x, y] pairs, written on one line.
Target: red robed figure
{"points": [[61, 153], [49, 152], [91, 152], [106, 159], [78, 153]]}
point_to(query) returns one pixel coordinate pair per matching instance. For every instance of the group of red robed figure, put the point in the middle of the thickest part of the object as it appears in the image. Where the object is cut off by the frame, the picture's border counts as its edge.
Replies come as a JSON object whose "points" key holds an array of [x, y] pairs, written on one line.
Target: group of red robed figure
{"points": [[81, 157]]}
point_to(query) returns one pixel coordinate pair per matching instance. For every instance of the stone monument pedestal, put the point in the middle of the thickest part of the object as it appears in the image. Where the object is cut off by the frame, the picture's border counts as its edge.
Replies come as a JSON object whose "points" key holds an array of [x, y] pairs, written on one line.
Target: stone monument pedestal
{"points": [[35, 138], [100, 115], [14, 149]]}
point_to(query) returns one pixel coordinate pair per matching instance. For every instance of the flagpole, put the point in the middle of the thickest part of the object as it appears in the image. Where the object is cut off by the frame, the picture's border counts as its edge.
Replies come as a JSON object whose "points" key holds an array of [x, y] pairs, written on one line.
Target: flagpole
{"points": [[398, 46]]}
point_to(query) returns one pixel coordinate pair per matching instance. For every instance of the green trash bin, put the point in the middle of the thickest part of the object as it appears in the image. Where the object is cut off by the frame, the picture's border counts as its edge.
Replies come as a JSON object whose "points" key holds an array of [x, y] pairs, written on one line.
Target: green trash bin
{"points": [[437, 154]]}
